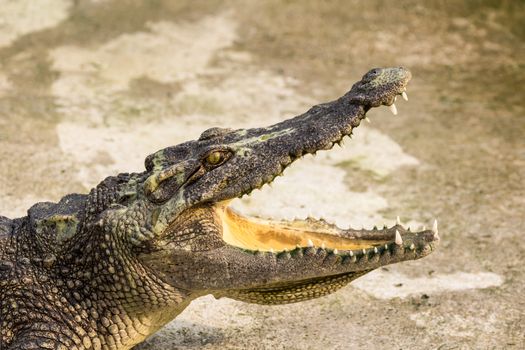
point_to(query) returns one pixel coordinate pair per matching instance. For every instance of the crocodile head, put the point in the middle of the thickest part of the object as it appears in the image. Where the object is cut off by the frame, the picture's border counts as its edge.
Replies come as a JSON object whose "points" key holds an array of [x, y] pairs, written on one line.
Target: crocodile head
{"points": [[191, 237]]}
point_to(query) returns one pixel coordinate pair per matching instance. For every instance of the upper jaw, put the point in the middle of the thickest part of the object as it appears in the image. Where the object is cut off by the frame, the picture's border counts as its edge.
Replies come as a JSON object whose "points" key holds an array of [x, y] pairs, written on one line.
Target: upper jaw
{"points": [[282, 161], [264, 153]]}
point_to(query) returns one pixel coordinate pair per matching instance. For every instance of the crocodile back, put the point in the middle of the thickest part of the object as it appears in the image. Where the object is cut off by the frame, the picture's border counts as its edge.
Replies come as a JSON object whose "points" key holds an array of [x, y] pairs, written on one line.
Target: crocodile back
{"points": [[6, 236]]}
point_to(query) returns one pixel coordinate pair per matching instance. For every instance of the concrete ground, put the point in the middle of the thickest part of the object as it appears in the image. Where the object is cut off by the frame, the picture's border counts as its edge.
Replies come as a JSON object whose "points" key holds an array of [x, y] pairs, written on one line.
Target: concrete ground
{"points": [[89, 88]]}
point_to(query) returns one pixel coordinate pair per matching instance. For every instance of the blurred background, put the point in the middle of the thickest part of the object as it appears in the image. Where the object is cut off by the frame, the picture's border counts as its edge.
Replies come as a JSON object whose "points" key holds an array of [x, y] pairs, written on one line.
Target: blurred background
{"points": [[90, 88]]}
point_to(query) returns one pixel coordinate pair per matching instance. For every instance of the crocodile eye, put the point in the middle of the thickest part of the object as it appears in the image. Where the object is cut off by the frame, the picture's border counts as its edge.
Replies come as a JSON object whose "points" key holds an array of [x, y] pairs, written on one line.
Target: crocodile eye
{"points": [[216, 158]]}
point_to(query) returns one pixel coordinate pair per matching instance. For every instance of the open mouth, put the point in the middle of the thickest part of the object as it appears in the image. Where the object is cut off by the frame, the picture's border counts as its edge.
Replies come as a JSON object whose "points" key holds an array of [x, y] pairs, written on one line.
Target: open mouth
{"points": [[263, 260], [275, 237], [299, 236]]}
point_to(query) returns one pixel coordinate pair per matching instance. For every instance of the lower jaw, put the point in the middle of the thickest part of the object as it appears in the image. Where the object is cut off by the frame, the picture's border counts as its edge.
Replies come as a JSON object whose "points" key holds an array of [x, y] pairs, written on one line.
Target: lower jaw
{"points": [[292, 292], [257, 234]]}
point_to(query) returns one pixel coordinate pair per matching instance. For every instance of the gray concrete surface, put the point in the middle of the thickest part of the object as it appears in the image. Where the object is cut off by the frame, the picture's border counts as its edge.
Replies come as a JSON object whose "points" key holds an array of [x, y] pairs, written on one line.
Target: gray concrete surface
{"points": [[89, 88]]}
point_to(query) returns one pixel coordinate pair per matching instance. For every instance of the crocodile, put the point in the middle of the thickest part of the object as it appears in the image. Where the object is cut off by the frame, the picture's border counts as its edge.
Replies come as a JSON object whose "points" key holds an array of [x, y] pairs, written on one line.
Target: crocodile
{"points": [[107, 269]]}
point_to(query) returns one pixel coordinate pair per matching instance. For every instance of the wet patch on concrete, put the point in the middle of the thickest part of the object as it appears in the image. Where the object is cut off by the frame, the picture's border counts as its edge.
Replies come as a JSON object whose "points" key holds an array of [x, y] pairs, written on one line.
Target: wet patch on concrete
{"points": [[19, 17], [165, 52]]}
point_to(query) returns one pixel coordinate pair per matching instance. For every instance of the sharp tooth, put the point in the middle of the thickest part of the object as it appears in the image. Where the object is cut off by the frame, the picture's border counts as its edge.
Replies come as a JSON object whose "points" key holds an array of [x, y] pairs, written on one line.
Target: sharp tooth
{"points": [[336, 251], [375, 250], [386, 246], [398, 221], [412, 246], [398, 239], [323, 246], [351, 253], [395, 98], [364, 251], [310, 243], [435, 229], [424, 228], [393, 109], [435, 226], [271, 250], [367, 119], [405, 96]]}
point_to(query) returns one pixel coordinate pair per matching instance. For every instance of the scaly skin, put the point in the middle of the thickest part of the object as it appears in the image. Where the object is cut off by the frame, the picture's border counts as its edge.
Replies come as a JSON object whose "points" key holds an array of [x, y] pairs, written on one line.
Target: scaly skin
{"points": [[107, 269]]}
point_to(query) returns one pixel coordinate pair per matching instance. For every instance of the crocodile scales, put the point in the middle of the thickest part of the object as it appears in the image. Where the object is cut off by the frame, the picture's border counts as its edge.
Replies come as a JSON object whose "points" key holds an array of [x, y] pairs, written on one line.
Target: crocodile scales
{"points": [[107, 269]]}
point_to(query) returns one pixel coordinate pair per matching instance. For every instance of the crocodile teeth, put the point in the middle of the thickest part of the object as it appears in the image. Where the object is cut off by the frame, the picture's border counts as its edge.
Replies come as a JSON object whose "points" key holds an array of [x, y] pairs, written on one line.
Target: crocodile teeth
{"points": [[393, 109], [435, 229], [323, 246], [405, 96], [272, 251], [412, 246], [367, 119], [310, 243], [398, 221], [375, 250], [336, 251], [398, 239]]}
